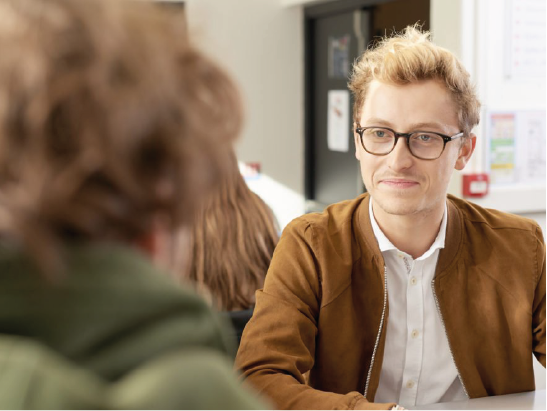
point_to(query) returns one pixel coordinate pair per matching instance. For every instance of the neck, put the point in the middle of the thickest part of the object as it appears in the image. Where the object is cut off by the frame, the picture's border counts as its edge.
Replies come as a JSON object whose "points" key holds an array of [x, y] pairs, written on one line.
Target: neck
{"points": [[413, 234]]}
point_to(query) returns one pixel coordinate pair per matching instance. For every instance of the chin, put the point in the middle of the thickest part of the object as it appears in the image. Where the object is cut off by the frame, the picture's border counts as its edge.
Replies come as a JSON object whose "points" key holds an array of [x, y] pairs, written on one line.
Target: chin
{"points": [[402, 210], [398, 206]]}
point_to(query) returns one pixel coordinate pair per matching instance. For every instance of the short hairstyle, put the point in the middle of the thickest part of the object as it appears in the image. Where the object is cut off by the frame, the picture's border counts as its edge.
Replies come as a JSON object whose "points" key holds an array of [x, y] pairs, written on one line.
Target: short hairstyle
{"points": [[409, 57], [108, 117], [233, 238]]}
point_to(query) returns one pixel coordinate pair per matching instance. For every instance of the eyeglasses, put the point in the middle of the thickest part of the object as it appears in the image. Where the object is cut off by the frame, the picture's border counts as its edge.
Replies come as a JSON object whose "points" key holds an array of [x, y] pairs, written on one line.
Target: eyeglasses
{"points": [[425, 145]]}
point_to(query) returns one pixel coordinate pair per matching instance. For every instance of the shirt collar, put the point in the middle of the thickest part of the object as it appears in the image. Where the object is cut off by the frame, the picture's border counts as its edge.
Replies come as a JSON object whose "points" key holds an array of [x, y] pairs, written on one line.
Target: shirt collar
{"points": [[386, 245]]}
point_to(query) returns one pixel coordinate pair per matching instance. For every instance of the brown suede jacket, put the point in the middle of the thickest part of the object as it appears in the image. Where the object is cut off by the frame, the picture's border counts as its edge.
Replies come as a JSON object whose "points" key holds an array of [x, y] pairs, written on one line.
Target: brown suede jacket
{"points": [[323, 309]]}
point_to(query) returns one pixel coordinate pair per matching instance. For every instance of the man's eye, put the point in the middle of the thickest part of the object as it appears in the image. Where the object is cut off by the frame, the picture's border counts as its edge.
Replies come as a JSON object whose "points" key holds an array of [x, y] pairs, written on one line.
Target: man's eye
{"points": [[380, 133], [424, 137]]}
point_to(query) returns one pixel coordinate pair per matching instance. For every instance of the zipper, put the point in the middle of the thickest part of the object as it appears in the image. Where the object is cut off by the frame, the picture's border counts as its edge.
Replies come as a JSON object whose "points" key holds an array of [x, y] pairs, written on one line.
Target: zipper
{"points": [[379, 333], [445, 333]]}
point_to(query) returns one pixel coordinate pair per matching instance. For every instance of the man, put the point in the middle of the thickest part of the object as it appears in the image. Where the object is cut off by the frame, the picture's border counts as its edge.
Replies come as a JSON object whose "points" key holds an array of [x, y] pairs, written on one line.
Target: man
{"points": [[403, 295], [110, 125]]}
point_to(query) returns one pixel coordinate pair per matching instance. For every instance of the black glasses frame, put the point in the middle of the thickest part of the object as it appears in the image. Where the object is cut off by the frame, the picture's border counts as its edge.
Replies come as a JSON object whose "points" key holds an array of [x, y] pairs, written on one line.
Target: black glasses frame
{"points": [[446, 139]]}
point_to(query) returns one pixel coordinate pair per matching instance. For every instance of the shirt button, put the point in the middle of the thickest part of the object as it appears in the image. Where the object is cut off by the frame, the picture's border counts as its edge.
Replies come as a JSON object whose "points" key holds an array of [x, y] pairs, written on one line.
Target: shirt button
{"points": [[413, 281], [414, 333], [410, 384], [400, 255]]}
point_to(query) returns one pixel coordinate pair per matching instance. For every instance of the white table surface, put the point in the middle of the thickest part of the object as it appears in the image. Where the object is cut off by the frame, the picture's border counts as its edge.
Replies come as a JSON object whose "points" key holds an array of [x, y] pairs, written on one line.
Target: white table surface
{"points": [[533, 400]]}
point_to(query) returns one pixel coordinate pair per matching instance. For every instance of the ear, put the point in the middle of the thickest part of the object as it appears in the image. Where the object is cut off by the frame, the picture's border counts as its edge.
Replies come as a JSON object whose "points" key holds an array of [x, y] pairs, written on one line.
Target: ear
{"points": [[148, 243], [465, 152], [156, 242], [357, 143]]}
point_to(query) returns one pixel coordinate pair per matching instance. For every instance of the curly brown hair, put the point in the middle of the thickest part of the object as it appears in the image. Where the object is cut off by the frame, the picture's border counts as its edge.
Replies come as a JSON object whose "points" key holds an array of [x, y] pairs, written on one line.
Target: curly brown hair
{"points": [[108, 117]]}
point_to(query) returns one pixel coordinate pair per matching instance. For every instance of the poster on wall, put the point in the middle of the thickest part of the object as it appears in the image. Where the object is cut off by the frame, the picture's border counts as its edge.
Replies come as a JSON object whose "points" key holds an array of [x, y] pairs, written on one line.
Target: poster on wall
{"points": [[338, 120], [502, 148], [339, 64], [516, 147], [532, 126]]}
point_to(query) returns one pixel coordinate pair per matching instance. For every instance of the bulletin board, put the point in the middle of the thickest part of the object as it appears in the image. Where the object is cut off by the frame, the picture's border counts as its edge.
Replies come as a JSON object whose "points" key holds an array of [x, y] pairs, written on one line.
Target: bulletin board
{"points": [[525, 33], [515, 160], [516, 147]]}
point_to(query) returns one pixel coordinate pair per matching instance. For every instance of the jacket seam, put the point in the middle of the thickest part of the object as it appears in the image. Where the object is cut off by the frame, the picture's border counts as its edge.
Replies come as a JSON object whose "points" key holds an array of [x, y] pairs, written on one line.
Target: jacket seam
{"points": [[283, 301], [336, 297], [316, 250], [460, 246], [536, 265], [502, 286], [353, 402], [497, 228]]}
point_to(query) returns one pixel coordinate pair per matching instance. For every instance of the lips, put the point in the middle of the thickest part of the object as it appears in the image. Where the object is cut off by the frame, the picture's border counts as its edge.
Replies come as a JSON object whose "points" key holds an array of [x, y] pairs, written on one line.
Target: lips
{"points": [[400, 183]]}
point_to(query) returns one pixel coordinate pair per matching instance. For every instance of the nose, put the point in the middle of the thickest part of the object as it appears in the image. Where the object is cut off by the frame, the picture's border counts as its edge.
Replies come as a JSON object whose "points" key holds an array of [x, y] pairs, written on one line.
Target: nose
{"points": [[400, 158]]}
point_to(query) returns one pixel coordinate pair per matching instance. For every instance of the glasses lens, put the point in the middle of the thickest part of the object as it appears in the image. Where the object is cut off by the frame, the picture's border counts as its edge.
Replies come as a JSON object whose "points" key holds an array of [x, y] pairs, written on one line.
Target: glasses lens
{"points": [[426, 145], [378, 140]]}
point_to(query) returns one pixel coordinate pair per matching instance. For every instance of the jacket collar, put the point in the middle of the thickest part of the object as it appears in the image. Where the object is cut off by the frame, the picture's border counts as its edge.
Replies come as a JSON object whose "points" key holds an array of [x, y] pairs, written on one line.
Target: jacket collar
{"points": [[367, 240], [453, 241], [386, 245], [447, 255]]}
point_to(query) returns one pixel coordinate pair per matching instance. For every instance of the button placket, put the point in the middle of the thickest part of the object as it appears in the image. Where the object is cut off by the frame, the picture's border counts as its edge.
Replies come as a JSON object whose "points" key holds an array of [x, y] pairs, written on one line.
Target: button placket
{"points": [[414, 346]]}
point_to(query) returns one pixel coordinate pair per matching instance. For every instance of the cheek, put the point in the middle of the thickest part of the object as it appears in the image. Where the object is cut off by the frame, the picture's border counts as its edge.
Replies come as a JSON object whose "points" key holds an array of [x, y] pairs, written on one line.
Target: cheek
{"points": [[440, 176], [369, 167]]}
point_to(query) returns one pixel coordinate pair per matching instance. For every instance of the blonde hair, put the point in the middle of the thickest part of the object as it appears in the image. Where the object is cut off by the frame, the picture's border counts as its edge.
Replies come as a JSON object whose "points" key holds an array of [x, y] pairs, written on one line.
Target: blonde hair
{"points": [[409, 57], [232, 242], [108, 117]]}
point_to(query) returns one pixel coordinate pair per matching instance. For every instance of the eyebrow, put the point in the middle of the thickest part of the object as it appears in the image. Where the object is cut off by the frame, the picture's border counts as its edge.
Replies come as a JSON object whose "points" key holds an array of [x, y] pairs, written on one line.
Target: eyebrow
{"points": [[375, 121]]}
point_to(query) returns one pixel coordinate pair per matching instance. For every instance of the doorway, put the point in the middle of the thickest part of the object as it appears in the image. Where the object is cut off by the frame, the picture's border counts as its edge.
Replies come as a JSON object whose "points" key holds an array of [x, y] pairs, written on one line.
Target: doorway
{"points": [[336, 34]]}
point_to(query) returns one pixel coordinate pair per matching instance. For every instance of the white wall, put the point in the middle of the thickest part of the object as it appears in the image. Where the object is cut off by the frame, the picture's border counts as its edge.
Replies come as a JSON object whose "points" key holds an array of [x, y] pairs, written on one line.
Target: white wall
{"points": [[260, 42], [476, 30]]}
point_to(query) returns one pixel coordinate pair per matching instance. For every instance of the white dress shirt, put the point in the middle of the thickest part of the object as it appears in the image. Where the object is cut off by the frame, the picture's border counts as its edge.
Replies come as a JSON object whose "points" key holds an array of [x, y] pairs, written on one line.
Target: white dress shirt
{"points": [[418, 368]]}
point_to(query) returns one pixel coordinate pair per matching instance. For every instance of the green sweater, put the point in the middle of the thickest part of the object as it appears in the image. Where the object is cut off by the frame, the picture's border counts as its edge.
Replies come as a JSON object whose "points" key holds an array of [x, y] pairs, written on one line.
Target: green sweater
{"points": [[113, 332]]}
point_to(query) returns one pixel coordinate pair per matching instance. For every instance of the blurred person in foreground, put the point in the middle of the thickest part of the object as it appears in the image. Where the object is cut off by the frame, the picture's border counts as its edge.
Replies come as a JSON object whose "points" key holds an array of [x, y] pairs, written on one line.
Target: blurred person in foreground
{"points": [[232, 240], [405, 294], [106, 121]]}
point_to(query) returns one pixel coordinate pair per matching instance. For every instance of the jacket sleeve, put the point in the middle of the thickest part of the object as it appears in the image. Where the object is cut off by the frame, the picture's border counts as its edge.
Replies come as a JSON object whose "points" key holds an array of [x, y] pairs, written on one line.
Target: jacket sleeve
{"points": [[278, 345], [538, 318]]}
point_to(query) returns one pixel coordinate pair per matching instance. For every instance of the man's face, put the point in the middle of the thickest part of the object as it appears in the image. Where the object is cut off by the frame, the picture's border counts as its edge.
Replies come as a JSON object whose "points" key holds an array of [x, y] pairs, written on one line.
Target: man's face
{"points": [[399, 183]]}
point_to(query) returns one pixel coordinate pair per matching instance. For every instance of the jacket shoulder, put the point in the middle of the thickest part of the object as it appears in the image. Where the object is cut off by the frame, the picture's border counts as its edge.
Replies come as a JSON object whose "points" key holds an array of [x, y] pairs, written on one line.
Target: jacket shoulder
{"points": [[515, 241], [494, 219], [336, 218], [330, 240]]}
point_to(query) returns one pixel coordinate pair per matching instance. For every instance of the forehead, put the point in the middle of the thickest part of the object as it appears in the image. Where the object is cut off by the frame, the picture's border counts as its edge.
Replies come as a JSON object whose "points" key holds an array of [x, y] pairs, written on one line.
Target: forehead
{"points": [[403, 106]]}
